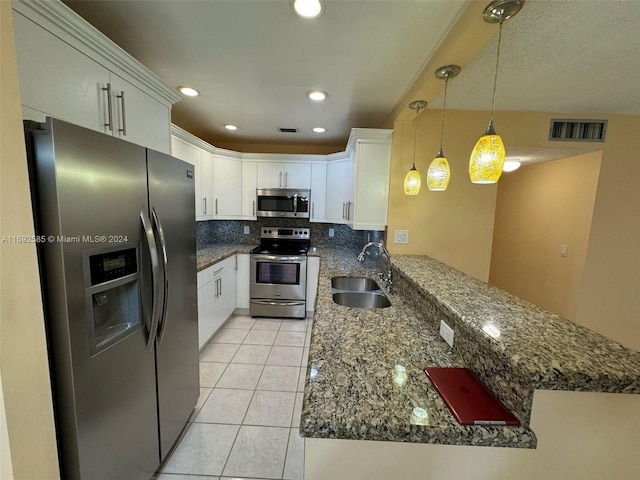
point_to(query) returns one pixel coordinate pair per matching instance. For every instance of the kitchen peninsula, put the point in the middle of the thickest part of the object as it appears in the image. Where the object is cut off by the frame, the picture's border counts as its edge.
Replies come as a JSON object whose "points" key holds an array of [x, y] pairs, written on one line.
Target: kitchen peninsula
{"points": [[519, 350]]}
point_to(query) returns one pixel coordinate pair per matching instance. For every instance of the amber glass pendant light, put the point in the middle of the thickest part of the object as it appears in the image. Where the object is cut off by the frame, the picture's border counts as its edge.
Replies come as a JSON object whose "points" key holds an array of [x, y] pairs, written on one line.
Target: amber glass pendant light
{"points": [[412, 180], [439, 172], [487, 157]]}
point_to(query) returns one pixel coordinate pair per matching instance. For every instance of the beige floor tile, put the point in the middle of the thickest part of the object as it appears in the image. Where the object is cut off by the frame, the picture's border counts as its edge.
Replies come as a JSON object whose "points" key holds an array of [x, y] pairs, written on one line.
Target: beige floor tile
{"points": [[294, 325], [230, 335], [290, 339], [225, 406], [260, 337], [210, 373], [240, 321], [271, 409], [173, 476], [240, 376], [202, 398], [218, 352], [294, 464], [302, 379], [203, 450], [283, 379], [285, 356], [267, 324], [258, 452], [252, 354], [297, 410]]}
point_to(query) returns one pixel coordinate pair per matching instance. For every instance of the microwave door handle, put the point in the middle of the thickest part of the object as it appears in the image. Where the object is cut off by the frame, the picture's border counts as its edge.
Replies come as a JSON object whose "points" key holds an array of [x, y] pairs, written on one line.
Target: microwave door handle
{"points": [[155, 278], [295, 204], [165, 297]]}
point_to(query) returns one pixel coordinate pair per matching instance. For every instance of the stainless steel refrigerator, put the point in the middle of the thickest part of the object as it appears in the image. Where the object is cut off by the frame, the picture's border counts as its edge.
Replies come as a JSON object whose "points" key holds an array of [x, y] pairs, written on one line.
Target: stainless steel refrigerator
{"points": [[115, 227]]}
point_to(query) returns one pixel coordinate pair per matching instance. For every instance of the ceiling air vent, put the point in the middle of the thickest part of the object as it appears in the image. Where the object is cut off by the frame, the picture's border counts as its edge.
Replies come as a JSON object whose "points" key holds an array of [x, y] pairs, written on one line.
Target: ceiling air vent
{"points": [[577, 130], [287, 130]]}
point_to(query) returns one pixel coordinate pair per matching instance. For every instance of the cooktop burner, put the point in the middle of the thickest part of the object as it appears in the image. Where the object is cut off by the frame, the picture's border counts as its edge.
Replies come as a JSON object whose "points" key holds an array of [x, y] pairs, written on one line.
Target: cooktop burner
{"points": [[283, 241]]}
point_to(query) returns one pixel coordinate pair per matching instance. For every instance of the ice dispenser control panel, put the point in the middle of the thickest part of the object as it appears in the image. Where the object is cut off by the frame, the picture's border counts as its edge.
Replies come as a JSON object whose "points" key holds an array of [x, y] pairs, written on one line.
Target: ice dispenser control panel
{"points": [[112, 265]]}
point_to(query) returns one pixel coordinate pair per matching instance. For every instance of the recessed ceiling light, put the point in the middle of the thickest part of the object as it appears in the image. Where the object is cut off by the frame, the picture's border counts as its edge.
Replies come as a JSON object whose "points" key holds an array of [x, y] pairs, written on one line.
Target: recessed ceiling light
{"points": [[231, 126], [307, 8], [317, 95], [188, 91], [511, 165], [319, 129]]}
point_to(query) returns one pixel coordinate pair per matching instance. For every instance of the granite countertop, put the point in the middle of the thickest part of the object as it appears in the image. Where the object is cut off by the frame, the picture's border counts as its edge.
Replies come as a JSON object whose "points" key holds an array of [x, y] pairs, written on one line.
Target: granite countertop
{"points": [[351, 392], [513, 346], [208, 255]]}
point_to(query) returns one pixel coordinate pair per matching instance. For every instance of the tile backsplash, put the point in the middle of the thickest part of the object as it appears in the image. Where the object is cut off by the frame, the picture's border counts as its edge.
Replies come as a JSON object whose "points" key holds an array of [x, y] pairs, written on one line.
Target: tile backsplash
{"points": [[232, 232]]}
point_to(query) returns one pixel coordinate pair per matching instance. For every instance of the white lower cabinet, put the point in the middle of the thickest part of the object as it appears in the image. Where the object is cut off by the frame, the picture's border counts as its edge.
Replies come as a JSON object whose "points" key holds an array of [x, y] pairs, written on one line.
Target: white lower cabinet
{"points": [[243, 284], [216, 298], [313, 273]]}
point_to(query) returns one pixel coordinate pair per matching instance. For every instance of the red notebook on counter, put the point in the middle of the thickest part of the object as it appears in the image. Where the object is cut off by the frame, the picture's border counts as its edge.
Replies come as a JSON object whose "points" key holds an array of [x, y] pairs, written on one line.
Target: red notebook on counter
{"points": [[468, 399]]}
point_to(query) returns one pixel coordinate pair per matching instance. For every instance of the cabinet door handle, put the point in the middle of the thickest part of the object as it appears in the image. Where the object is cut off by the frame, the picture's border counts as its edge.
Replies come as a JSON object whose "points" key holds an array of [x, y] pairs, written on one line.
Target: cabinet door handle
{"points": [[286, 179], [109, 107], [220, 280], [312, 209], [204, 202], [254, 208], [216, 206], [344, 209], [280, 180], [124, 117]]}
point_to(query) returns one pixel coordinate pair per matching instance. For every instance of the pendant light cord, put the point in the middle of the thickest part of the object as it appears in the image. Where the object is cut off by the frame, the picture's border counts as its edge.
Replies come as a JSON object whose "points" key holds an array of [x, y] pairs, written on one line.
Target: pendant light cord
{"points": [[495, 78], [415, 129], [444, 108]]}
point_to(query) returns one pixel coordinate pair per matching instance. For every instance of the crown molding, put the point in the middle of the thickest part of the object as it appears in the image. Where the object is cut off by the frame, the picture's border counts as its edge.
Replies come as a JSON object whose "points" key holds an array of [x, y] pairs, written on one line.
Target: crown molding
{"points": [[64, 23]]}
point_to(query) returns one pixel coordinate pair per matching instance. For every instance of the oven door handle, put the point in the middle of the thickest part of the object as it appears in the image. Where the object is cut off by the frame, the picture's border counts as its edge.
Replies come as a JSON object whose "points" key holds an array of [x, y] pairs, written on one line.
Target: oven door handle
{"points": [[285, 303], [278, 258]]}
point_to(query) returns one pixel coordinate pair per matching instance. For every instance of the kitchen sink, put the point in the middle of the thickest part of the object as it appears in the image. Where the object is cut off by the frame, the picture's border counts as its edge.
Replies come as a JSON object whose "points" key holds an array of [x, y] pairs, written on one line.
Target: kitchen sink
{"points": [[362, 299], [354, 284]]}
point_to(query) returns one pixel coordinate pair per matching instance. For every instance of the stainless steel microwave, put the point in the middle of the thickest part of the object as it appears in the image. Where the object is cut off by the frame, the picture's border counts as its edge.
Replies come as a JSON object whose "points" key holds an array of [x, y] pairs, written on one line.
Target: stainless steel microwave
{"points": [[282, 202]]}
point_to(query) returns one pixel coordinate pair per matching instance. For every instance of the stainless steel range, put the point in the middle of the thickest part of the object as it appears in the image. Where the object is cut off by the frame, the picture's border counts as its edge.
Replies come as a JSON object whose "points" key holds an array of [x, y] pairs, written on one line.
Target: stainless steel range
{"points": [[279, 273]]}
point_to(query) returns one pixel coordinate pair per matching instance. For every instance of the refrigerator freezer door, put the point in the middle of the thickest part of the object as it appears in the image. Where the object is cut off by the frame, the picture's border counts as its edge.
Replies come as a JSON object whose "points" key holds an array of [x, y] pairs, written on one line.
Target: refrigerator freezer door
{"points": [[91, 189], [171, 193]]}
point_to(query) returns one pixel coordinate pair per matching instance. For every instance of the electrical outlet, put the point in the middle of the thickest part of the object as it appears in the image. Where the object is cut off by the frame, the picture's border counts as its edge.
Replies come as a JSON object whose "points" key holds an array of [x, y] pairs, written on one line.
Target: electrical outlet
{"points": [[246, 229], [402, 236], [332, 232], [446, 332]]}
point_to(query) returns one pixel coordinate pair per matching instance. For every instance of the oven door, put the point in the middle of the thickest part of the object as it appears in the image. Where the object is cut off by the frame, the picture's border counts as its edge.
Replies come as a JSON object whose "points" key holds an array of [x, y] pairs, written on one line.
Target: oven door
{"points": [[278, 277]]}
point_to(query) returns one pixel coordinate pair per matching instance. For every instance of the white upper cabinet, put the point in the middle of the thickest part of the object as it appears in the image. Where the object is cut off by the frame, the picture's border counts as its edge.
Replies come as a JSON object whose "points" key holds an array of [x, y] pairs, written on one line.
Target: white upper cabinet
{"points": [[338, 192], [284, 174], [193, 155], [370, 154], [249, 185], [69, 70], [318, 192], [227, 187]]}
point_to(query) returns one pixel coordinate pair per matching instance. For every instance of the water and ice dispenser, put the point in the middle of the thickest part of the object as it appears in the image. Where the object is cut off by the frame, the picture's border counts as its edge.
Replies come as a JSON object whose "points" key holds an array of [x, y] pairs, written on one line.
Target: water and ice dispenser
{"points": [[112, 294]]}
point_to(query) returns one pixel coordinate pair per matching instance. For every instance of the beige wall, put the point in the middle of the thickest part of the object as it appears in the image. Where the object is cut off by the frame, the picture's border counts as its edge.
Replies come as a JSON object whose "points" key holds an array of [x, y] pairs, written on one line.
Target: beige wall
{"points": [[26, 405], [539, 208], [456, 226]]}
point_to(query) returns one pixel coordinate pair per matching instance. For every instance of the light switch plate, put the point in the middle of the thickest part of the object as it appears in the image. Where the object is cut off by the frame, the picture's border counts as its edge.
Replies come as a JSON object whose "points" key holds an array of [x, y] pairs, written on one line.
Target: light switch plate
{"points": [[401, 236], [446, 332], [332, 232]]}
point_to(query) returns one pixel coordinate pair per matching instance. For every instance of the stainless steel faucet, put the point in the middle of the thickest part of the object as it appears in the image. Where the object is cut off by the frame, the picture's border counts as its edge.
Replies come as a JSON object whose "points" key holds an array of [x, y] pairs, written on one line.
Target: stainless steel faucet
{"points": [[386, 278]]}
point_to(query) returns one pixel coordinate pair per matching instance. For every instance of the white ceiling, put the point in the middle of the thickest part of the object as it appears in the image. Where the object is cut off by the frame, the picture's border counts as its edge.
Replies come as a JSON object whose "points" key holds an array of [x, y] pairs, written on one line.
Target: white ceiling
{"points": [[253, 60]]}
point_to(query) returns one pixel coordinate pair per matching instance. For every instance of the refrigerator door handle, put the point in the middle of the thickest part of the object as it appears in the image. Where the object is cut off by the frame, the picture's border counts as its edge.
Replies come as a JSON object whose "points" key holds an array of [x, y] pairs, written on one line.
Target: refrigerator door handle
{"points": [[165, 261], [155, 274]]}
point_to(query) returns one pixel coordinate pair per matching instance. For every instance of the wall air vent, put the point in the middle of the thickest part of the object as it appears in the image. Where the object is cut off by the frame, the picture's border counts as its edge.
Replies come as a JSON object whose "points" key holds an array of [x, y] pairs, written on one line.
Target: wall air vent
{"points": [[287, 130], [577, 130]]}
